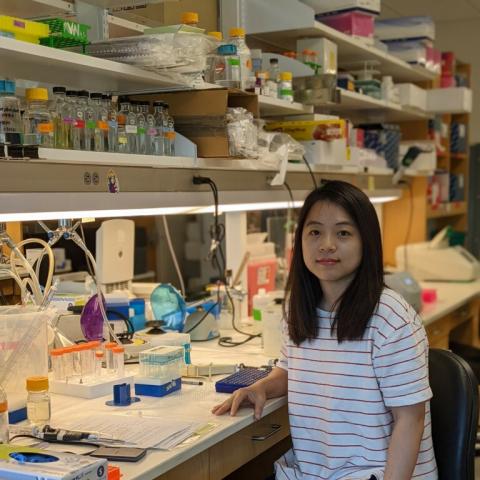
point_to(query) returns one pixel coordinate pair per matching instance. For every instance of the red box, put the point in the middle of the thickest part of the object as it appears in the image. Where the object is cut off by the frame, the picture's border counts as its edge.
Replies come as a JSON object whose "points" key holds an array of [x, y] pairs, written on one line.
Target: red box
{"points": [[448, 63], [260, 274], [447, 81]]}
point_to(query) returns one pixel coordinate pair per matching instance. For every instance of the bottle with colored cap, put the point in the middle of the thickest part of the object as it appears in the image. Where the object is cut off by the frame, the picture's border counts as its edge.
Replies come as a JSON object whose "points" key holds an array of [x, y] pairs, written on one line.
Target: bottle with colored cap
{"points": [[285, 88], [11, 130], [237, 38], [227, 67], [189, 18], [3, 417], [38, 401], [38, 123]]}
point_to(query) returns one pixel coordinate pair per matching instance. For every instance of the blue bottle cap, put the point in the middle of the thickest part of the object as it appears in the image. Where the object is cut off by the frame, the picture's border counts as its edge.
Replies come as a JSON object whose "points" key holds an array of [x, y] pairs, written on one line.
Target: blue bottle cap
{"points": [[7, 86], [227, 49]]}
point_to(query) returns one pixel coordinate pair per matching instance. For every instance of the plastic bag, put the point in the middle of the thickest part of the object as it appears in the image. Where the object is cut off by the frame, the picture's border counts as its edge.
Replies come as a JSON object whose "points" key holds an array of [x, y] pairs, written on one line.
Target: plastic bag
{"points": [[242, 133]]}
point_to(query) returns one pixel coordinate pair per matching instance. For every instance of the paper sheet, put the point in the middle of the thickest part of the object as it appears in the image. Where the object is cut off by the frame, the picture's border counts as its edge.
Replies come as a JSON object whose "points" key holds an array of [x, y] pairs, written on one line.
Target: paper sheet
{"points": [[143, 432]]}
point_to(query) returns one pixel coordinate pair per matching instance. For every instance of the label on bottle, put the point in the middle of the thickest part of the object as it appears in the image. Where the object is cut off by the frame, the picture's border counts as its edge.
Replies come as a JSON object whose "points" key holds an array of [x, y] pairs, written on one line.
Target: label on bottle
{"points": [[102, 125], [112, 124], [68, 120], [91, 124], [122, 140], [141, 130], [79, 123], [152, 131], [122, 119], [45, 127], [131, 128], [170, 135]]}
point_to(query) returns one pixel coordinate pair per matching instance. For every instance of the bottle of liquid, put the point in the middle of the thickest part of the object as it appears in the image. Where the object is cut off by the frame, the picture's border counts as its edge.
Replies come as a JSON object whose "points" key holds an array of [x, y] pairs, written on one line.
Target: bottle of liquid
{"points": [[79, 129], [169, 129], [101, 127], [227, 67], [159, 114], [212, 58], [112, 124], [273, 78], [4, 436], [237, 38], [132, 128], [56, 107], [141, 110], [90, 124], [122, 138], [11, 129], [257, 60], [189, 18], [38, 401], [259, 303], [68, 119], [151, 127], [38, 124], [285, 91]]}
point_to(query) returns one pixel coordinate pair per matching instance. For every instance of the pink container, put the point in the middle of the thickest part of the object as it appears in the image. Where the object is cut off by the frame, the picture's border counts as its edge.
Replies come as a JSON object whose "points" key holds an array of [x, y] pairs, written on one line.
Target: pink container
{"points": [[447, 81], [351, 23], [429, 295], [260, 274]]}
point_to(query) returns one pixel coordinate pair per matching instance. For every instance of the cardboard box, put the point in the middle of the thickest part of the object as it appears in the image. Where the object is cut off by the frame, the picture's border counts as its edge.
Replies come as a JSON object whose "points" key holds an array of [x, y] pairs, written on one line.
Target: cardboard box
{"points": [[200, 115], [311, 130], [412, 96], [449, 100]]}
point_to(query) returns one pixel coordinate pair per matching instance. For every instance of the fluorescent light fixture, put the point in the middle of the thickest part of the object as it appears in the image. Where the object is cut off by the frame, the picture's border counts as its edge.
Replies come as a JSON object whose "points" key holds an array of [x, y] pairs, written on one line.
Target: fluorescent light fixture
{"points": [[248, 207], [385, 199], [126, 212]]}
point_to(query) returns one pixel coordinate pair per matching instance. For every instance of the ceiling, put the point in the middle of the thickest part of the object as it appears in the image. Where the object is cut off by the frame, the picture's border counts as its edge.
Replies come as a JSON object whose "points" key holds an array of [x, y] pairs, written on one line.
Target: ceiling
{"points": [[440, 10]]}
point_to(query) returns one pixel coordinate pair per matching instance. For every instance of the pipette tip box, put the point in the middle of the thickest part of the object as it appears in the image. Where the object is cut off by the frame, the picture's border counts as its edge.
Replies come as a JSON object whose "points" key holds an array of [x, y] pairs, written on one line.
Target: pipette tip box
{"points": [[153, 387]]}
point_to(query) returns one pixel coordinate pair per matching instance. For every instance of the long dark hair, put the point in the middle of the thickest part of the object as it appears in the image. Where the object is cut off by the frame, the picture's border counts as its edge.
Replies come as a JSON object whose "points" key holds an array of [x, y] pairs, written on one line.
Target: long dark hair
{"points": [[359, 301]]}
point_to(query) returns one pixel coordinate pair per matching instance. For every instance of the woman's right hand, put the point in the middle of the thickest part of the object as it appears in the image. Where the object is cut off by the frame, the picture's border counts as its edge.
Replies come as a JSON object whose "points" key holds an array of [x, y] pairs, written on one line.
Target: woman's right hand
{"points": [[254, 395]]}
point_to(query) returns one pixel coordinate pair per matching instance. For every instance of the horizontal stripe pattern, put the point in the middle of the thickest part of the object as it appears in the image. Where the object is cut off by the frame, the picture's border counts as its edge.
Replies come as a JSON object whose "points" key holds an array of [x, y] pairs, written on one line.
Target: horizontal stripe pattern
{"points": [[340, 395]]}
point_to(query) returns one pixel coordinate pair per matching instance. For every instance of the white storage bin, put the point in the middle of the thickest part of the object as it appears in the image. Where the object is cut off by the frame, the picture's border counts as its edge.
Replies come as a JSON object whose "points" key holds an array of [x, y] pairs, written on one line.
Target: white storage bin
{"points": [[449, 100], [327, 6], [319, 152], [412, 96]]}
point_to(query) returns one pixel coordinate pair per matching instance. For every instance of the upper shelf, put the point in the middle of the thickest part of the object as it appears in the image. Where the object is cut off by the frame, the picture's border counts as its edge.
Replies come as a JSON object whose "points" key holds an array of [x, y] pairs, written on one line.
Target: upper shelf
{"points": [[123, 3], [35, 8], [270, 107], [368, 109], [22, 60], [351, 52]]}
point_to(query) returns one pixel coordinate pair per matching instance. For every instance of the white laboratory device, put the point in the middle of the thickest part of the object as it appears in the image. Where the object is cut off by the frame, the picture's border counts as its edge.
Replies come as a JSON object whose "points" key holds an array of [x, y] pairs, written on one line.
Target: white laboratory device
{"points": [[115, 244], [437, 261]]}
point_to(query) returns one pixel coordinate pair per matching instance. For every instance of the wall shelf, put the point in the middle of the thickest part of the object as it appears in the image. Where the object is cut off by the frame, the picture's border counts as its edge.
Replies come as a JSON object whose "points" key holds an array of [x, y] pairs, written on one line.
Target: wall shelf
{"points": [[444, 210], [22, 60], [35, 8], [270, 107], [351, 52], [369, 109]]}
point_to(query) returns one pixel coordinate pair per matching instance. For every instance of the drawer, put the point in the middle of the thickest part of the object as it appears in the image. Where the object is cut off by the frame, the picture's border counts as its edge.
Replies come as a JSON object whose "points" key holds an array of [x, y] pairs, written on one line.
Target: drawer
{"points": [[238, 449]]}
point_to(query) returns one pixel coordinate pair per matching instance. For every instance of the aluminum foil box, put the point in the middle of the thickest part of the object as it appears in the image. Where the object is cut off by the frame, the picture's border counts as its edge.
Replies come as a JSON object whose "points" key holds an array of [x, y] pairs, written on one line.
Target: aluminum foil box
{"points": [[15, 465]]}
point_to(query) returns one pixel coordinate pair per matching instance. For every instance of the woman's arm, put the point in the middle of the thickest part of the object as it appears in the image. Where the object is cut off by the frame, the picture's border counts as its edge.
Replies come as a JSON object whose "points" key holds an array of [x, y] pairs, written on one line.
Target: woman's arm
{"points": [[405, 441], [274, 385]]}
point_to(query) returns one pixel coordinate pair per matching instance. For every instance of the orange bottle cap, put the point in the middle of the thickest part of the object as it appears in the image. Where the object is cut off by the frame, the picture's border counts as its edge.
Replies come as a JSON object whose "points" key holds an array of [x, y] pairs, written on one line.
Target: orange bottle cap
{"points": [[37, 384]]}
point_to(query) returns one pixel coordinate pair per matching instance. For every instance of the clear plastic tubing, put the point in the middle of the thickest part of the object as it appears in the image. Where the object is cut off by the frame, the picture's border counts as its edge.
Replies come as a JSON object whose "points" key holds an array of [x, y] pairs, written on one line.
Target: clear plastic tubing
{"points": [[58, 369], [118, 361], [99, 356]]}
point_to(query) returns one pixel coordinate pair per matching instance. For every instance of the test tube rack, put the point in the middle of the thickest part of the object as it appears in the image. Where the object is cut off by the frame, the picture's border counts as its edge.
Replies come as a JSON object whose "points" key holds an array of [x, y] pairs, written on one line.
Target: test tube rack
{"points": [[91, 388]]}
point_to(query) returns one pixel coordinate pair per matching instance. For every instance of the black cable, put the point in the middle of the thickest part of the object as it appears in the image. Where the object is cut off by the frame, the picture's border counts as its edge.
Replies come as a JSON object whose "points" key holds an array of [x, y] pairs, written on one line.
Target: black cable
{"points": [[128, 323], [289, 190], [204, 316], [315, 185], [409, 225]]}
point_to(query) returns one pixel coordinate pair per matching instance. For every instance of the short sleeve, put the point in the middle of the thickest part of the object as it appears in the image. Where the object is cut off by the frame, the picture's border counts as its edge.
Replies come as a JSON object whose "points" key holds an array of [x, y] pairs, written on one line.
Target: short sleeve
{"points": [[283, 360], [401, 365]]}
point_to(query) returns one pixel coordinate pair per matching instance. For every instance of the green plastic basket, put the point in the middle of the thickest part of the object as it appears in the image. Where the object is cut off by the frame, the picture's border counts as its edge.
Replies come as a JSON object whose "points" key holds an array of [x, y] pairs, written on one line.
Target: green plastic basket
{"points": [[65, 33]]}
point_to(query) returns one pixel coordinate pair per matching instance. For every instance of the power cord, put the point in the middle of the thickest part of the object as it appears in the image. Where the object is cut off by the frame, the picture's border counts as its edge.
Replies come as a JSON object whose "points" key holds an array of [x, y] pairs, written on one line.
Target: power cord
{"points": [[217, 233], [314, 181], [409, 225]]}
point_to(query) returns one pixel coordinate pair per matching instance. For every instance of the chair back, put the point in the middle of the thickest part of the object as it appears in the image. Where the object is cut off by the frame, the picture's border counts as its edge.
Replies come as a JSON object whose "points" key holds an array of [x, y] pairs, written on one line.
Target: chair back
{"points": [[454, 411]]}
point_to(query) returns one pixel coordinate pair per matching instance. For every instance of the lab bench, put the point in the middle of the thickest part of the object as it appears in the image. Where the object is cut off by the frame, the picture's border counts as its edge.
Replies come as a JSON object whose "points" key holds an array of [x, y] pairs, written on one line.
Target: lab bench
{"points": [[229, 445]]}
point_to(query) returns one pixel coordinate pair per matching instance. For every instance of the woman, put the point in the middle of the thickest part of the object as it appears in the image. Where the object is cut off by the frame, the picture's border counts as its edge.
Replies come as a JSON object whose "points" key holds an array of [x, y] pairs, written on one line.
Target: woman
{"points": [[354, 360]]}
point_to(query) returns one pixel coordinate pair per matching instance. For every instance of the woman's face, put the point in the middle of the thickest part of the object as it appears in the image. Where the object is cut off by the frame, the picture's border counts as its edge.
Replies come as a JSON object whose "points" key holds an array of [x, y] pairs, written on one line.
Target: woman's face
{"points": [[332, 246]]}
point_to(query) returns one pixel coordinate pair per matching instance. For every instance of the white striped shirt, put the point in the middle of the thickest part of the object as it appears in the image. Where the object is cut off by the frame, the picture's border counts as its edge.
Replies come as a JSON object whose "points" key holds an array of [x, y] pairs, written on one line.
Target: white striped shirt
{"points": [[340, 396]]}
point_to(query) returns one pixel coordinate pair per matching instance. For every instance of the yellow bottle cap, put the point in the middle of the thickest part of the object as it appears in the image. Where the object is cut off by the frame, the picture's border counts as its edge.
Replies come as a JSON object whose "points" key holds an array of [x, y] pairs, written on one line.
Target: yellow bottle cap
{"points": [[237, 32], [286, 76], [37, 384], [189, 17], [217, 35], [3, 407], [36, 94]]}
